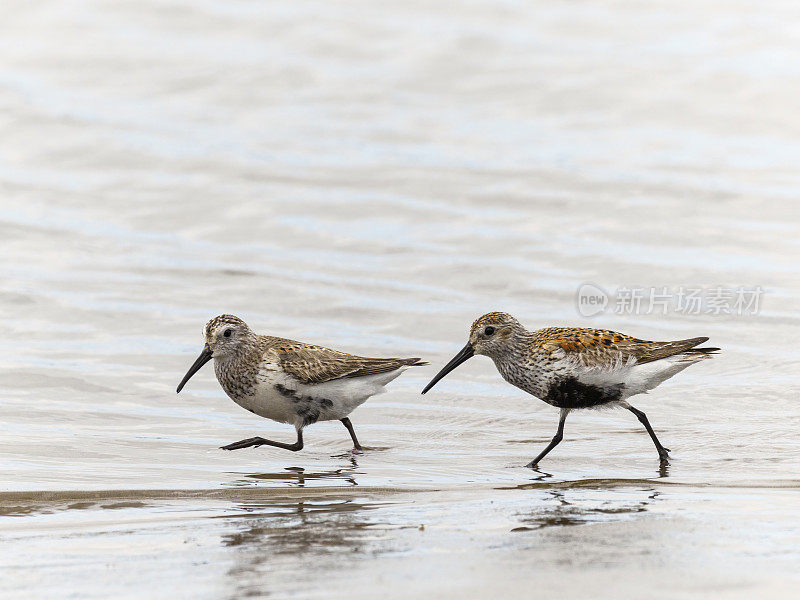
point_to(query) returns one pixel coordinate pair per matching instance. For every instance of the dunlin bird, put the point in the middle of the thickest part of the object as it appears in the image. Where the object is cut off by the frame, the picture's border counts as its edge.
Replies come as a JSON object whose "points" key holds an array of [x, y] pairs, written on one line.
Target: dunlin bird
{"points": [[573, 368], [291, 382]]}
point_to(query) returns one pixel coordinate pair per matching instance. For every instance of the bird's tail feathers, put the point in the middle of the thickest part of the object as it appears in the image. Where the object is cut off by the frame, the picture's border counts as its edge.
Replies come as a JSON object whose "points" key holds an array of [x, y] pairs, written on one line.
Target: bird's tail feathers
{"points": [[414, 362], [694, 354]]}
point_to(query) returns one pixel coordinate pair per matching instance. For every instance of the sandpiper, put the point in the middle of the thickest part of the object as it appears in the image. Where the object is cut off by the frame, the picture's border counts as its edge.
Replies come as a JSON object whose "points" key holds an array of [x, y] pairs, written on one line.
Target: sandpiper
{"points": [[291, 382], [572, 367]]}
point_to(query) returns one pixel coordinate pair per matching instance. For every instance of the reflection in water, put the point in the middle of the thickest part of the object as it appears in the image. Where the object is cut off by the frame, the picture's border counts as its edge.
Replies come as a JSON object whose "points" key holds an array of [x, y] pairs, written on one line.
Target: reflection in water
{"points": [[35, 506], [352, 453], [565, 507], [663, 471], [541, 475], [303, 526], [275, 535], [19, 510], [301, 477]]}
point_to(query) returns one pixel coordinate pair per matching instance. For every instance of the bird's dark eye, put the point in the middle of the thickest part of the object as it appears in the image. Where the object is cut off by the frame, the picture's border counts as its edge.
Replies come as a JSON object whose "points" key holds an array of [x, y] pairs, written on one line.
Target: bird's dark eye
{"points": [[227, 332], [489, 330]]}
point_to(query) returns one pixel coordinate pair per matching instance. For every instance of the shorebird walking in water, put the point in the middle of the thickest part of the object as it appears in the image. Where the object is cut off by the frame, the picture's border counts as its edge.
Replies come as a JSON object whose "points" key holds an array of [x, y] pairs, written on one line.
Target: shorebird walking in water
{"points": [[291, 382], [573, 368]]}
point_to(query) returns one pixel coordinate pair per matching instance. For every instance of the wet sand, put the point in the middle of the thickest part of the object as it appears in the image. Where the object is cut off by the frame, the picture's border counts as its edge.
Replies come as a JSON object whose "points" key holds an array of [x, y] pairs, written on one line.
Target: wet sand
{"points": [[372, 177], [598, 538]]}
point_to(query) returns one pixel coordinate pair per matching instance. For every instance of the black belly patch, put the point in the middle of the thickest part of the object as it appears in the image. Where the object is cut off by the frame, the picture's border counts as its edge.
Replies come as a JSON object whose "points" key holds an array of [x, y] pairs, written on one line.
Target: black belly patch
{"points": [[306, 407], [571, 393]]}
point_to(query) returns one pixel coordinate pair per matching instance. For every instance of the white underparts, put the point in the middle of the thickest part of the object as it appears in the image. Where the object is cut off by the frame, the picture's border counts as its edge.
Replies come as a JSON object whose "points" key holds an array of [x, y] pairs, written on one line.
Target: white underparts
{"points": [[634, 377], [282, 398]]}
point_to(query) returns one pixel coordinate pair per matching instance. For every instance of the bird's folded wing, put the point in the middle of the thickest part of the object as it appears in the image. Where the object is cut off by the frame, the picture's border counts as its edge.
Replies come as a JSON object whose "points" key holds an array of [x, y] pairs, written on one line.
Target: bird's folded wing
{"points": [[609, 350], [316, 364]]}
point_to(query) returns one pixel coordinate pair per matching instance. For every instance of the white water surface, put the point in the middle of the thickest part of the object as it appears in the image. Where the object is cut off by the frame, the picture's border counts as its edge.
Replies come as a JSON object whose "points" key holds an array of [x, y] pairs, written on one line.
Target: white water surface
{"points": [[372, 177]]}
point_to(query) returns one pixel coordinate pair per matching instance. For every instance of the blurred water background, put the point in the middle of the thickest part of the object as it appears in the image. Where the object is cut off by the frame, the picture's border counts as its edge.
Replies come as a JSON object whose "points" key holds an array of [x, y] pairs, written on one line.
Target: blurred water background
{"points": [[372, 177]]}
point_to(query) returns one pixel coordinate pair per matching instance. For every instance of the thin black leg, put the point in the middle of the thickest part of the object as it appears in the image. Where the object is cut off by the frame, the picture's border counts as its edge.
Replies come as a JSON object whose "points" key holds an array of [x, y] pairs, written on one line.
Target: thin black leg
{"points": [[555, 441], [346, 422], [259, 441], [663, 453]]}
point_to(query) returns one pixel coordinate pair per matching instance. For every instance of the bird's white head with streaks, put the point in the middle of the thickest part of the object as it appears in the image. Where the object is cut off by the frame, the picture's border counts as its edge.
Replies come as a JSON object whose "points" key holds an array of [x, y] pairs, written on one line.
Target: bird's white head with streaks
{"points": [[492, 333], [226, 335]]}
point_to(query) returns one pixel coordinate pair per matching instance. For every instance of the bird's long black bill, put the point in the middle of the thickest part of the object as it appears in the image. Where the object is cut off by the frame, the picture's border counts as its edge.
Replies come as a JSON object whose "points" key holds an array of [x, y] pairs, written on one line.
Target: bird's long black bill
{"points": [[204, 357], [466, 353]]}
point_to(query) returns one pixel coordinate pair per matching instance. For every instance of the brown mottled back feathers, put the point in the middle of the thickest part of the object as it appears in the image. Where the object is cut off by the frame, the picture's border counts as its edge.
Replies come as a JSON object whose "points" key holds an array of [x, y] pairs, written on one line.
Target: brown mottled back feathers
{"points": [[601, 347], [312, 364]]}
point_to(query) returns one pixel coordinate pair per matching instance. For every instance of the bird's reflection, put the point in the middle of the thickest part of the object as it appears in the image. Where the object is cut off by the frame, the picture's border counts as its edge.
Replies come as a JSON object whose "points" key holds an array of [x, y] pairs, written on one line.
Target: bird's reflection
{"points": [[301, 477], [560, 507], [282, 536], [288, 527], [540, 475]]}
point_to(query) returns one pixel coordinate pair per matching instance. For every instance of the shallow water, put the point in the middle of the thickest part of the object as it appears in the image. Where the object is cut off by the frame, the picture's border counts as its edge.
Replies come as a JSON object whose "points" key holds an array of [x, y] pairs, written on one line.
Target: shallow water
{"points": [[373, 177]]}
